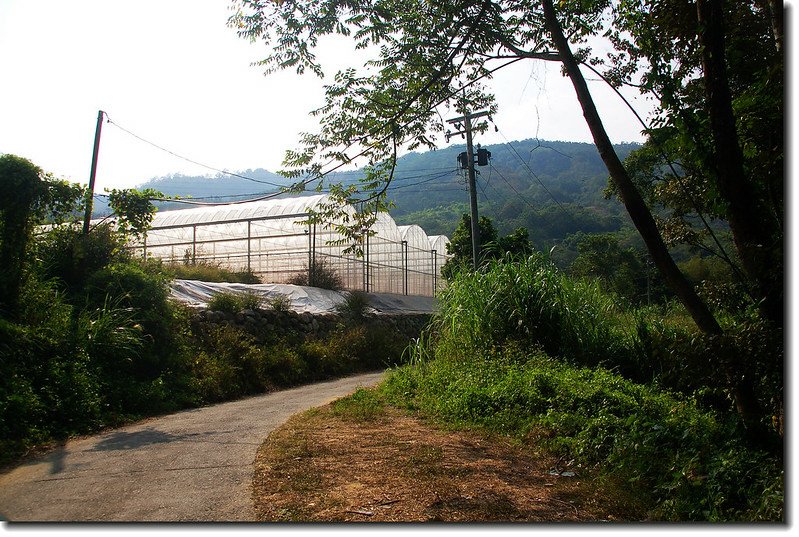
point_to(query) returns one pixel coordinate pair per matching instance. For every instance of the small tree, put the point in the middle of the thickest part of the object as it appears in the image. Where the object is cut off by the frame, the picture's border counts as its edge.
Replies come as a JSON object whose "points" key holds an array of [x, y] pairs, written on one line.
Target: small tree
{"points": [[492, 246], [22, 186]]}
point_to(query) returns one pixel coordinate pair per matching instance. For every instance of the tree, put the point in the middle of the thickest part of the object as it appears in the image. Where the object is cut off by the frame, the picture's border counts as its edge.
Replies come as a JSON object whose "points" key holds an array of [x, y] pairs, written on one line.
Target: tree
{"points": [[717, 71], [22, 178], [32, 197], [492, 246], [431, 53], [618, 269]]}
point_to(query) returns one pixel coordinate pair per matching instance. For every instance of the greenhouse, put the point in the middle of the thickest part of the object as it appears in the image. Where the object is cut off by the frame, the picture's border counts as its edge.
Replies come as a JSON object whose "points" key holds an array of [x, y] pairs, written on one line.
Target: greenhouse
{"points": [[274, 240]]}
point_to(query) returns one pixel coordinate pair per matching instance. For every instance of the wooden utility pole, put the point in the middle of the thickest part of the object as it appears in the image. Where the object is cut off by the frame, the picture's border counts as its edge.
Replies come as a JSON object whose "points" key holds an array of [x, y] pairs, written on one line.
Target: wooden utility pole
{"points": [[466, 119], [90, 195]]}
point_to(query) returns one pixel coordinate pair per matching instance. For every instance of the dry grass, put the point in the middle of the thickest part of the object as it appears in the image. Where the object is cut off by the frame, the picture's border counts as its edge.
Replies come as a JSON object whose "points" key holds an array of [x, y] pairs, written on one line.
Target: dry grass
{"points": [[323, 467]]}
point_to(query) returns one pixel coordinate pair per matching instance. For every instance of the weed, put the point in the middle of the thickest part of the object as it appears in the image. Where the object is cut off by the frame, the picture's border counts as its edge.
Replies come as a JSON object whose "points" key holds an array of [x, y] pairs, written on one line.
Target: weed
{"points": [[280, 303], [363, 405], [320, 274], [354, 306], [234, 302]]}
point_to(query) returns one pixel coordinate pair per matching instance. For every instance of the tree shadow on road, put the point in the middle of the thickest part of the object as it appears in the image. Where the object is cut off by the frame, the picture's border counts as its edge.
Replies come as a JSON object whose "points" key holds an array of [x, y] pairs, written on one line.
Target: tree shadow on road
{"points": [[121, 440]]}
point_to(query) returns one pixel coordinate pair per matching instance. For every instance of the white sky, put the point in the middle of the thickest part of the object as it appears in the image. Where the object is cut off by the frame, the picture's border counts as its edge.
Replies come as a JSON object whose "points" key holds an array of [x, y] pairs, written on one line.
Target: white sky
{"points": [[172, 72]]}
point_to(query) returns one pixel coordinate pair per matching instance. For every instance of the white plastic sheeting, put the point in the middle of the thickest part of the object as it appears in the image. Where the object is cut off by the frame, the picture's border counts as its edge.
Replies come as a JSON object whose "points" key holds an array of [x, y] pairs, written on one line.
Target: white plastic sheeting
{"points": [[273, 239], [302, 299]]}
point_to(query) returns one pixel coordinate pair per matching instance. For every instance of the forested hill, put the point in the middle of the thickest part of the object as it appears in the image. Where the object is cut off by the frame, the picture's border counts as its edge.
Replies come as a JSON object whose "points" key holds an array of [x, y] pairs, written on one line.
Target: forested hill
{"points": [[553, 189]]}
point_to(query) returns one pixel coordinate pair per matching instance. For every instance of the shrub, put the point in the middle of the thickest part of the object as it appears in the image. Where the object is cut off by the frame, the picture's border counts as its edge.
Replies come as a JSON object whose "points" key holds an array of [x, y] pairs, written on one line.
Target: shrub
{"points": [[280, 303], [234, 302], [205, 271], [687, 462], [354, 306], [70, 257], [531, 302], [320, 275]]}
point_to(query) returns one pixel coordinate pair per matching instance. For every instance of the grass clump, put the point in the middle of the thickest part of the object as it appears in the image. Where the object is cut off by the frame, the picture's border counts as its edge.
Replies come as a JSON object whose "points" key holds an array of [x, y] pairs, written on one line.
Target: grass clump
{"points": [[234, 302], [206, 271]]}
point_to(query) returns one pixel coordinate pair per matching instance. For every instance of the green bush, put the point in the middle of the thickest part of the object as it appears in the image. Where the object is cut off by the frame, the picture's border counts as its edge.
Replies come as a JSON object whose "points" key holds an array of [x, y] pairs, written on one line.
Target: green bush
{"points": [[354, 305], [531, 302], [71, 258], [687, 462], [234, 302]]}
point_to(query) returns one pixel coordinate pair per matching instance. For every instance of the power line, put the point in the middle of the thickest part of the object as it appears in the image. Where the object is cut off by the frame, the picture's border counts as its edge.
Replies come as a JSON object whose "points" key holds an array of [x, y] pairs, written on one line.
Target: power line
{"points": [[120, 127], [533, 174]]}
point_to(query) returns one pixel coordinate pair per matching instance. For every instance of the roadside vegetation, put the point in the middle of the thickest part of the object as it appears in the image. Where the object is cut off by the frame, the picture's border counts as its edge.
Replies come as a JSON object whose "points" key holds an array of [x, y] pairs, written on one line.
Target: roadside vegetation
{"points": [[554, 363], [523, 350], [89, 337]]}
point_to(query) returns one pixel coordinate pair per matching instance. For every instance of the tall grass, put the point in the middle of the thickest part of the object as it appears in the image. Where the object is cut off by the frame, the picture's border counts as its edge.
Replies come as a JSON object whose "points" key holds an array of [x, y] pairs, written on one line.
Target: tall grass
{"points": [[532, 303], [523, 350]]}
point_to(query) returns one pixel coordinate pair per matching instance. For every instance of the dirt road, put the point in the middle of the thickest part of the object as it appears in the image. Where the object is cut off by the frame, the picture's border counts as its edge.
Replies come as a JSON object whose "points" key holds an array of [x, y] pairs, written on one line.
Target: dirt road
{"points": [[195, 465]]}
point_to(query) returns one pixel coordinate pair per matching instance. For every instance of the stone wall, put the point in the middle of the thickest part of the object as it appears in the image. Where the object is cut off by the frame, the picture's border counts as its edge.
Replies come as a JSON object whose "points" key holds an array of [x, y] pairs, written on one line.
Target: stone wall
{"points": [[267, 324]]}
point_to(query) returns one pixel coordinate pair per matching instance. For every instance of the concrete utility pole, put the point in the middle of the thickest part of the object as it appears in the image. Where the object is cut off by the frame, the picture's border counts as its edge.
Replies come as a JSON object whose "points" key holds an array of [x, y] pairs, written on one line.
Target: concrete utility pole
{"points": [[90, 196], [466, 119]]}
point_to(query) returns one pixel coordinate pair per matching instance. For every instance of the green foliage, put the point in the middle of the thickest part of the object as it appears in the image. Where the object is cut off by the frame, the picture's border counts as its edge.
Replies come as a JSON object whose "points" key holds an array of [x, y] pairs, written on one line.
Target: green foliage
{"points": [[686, 463], [280, 303], [209, 272], [234, 302], [321, 275], [362, 406], [490, 244], [20, 180], [529, 301], [521, 349], [68, 256], [619, 270], [354, 306], [134, 209]]}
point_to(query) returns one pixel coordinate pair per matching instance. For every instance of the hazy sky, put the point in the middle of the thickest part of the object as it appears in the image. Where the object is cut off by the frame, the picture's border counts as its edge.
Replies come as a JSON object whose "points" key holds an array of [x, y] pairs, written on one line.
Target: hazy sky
{"points": [[173, 73]]}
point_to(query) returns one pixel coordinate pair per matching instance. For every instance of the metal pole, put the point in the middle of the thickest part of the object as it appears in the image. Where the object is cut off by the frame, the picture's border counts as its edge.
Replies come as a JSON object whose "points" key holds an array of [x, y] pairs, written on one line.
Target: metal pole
{"points": [[249, 248], [310, 248], [367, 261], [435, 272], [405, 266], [95, 154], [194, 245], [313, 257]]}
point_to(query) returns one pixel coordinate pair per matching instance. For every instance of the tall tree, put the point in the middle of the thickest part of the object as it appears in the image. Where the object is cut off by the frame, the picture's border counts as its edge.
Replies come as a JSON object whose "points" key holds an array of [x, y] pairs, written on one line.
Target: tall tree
{"points": [[716, 70], [428, 54]]}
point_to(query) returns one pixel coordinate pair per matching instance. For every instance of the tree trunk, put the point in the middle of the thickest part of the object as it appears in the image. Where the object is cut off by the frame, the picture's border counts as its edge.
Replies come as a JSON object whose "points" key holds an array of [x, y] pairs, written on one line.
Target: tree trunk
{"points": [[742, 387], [633, 202], [759, 244]]}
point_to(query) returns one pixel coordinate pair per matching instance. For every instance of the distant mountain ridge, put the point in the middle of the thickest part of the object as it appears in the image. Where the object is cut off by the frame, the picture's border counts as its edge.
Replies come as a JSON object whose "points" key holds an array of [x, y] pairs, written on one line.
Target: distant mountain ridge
{"points": [[553, 189]]}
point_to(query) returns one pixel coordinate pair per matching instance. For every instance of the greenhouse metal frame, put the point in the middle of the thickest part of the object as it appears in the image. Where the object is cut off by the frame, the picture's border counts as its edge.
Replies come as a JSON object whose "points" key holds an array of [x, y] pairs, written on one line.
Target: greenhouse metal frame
{"points": [[277, 241]]}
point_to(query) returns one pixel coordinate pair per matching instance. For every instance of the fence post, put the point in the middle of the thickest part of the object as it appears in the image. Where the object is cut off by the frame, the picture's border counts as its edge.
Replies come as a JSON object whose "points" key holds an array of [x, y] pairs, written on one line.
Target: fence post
{"points": [[366, 281], [312, 278], [435, 271], [193, 244], [145, 246], [249, 247], [405, 267], [308, 231]]}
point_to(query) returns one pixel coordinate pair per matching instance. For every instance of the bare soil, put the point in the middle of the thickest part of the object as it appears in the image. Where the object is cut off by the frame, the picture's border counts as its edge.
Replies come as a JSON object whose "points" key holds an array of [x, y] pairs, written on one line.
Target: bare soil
{"points": [[321, 467]]}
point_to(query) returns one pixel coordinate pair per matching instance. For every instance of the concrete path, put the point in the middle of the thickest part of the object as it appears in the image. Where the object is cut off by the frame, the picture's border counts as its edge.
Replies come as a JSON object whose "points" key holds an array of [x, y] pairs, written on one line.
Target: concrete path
{"points": [[194, 465]]}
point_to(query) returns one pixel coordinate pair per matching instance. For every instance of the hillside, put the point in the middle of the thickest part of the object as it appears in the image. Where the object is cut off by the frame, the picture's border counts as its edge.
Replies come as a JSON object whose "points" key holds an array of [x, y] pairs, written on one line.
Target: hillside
{"points": [[553, 189]]}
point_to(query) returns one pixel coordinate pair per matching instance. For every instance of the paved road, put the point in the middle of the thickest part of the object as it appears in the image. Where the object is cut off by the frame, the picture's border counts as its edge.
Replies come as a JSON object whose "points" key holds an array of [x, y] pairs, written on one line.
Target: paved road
{"points": [[194, 465]]}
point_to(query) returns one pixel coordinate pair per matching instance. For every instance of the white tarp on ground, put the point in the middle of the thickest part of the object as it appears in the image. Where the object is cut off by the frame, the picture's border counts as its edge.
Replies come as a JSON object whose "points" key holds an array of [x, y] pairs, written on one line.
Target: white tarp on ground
{"points": [[303, 299]]}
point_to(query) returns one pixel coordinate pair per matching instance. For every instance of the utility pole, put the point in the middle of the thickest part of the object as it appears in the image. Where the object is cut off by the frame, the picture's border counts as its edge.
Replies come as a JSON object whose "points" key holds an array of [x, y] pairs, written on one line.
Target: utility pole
{"points": [[90, 196], [466, 119]]}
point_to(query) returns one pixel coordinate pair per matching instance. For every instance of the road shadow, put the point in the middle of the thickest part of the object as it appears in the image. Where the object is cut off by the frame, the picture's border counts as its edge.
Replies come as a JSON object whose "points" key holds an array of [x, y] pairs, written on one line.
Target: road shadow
{"points": [[121, 440]]}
